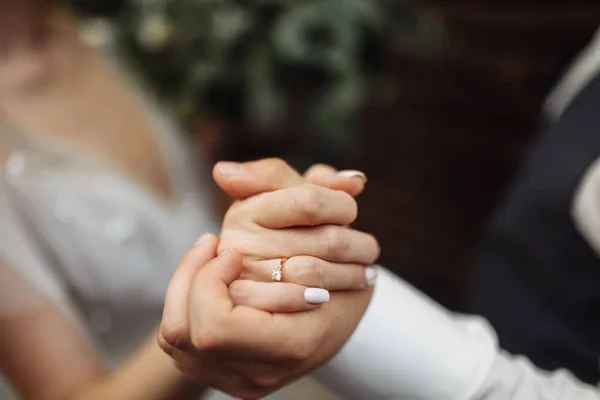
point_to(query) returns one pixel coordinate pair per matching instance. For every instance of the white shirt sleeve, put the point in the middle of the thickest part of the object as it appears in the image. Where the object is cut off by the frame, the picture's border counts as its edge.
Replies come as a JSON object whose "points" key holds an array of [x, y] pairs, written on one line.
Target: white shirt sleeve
{"points": [[516, 378], [407, 347]]}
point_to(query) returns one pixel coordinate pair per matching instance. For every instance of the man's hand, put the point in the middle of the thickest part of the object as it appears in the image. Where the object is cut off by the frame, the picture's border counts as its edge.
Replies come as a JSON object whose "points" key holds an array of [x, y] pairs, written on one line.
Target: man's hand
{"points": [[215, 325], [242, 351], [287, 217], [243, 180]]}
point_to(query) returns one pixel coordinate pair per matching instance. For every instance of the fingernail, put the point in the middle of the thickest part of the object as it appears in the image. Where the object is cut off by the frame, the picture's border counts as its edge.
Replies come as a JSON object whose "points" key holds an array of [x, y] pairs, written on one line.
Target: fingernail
{"points": [[370, 276], [351, 173], [229, 168], [203, 240], [316, 296]]}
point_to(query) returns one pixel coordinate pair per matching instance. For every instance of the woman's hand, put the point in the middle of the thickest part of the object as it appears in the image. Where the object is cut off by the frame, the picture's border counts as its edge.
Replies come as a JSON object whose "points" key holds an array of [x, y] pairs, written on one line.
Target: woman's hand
{"points": [[245, 352], [304, 222]]}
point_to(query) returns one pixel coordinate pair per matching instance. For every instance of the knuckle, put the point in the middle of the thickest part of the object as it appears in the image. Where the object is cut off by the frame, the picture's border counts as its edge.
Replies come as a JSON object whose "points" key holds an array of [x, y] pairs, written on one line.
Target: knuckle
{"points": [[241, 217], [310, 272], [335, 241], [276, 168], [238, 293], [302, 351], [209, 338], [164, 345], [234, 213], [276, 163], [253, 270], [316, 171], [172, 336], [310, 202]]}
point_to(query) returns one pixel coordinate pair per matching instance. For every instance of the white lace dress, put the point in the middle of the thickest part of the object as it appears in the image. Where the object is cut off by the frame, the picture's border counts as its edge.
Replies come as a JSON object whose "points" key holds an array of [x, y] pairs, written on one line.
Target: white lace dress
{"points": [[77, 232]]}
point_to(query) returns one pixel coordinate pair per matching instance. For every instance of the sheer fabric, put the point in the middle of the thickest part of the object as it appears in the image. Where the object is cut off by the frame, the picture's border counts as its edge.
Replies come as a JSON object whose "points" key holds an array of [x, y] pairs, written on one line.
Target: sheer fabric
{"points": [[80, 234], [27, 288]]}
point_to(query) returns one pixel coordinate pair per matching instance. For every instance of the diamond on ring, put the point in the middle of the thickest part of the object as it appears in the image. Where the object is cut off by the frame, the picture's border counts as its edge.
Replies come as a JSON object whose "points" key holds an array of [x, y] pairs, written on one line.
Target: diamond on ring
{"points": [[277, 274]]}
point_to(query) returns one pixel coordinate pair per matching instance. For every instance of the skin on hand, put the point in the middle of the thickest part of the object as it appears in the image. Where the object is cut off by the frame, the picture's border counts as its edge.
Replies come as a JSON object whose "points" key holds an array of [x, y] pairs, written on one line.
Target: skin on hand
{"points": [[215, 325], [243, 180], [287, 217], [242, 351]]}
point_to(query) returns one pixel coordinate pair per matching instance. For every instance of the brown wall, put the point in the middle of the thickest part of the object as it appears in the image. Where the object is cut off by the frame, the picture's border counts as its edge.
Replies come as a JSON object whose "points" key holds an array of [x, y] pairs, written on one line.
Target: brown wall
{"points": [[442, 146]]}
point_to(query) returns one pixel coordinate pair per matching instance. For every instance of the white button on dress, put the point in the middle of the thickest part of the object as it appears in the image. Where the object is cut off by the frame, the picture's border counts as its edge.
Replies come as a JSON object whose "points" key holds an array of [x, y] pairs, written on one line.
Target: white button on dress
{"points": [[121, 229], [15, 164]]}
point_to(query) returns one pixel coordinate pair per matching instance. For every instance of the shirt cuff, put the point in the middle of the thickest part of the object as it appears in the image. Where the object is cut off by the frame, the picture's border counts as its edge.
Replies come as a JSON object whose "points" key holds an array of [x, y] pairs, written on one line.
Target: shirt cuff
{"points": [[409, 347]]}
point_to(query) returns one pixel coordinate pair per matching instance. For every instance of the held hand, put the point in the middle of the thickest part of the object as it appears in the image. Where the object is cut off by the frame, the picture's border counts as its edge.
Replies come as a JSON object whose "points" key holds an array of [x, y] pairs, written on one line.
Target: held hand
{"points": [[243, 180], [242, 351], [293, 219]]}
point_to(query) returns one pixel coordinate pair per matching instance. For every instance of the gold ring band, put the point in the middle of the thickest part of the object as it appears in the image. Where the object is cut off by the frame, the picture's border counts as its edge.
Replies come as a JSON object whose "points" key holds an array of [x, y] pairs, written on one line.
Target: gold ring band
{"points": [[277, 274]]}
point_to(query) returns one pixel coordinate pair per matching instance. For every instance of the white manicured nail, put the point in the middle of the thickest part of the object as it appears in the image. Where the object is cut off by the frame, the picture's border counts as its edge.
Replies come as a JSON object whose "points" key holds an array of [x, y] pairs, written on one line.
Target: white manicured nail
{"points": [[316, 296], [370, 276], [351, 173]]}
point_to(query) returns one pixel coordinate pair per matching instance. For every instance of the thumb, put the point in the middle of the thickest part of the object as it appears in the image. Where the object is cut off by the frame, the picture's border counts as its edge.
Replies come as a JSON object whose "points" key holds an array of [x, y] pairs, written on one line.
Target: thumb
{"points": [[175, 322], [210, 290], [242, 180]]}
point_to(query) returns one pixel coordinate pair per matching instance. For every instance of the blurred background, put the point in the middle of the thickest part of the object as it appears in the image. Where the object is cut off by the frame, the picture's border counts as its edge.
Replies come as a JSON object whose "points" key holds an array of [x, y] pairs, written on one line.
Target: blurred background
{"points": [[435, 101]]}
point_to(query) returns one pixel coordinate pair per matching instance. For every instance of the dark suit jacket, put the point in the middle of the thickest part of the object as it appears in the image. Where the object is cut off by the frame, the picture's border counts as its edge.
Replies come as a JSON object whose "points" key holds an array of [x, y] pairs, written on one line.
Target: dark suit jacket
{"points": [[537, 279]]}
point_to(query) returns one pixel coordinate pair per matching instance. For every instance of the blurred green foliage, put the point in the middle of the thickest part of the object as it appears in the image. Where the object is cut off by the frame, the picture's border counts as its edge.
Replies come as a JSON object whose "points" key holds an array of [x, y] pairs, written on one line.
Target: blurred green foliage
{"points": [[265, 64]]}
